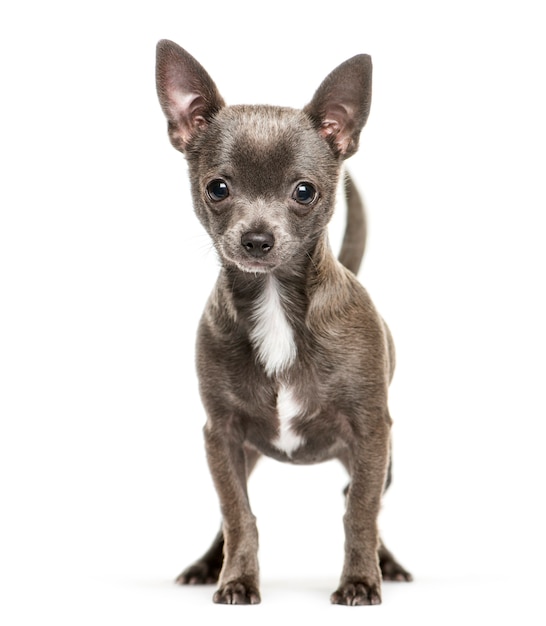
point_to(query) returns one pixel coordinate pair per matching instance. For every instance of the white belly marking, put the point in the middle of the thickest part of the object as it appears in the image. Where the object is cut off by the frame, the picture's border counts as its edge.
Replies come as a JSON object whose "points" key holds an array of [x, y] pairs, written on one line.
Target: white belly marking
{"points": [[272, 336], [287, 408]]}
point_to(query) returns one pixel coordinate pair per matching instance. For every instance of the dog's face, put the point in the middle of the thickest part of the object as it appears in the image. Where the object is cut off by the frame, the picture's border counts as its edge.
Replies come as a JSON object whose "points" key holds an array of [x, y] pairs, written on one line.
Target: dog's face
{"points": [[263, 184], [263, 178]]}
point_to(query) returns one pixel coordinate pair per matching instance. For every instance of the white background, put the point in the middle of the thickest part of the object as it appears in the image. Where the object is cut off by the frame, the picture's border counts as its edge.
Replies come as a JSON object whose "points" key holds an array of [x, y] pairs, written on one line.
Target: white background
{"points": [[104, 271]]}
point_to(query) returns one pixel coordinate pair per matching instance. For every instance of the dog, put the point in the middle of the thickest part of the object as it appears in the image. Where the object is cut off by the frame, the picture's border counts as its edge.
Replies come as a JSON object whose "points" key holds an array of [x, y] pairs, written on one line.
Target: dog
{"points": [[293, 360]]}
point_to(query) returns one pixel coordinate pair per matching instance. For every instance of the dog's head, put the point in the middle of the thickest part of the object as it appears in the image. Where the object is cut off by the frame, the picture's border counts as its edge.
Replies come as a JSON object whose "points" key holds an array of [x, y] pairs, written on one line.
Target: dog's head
{"points": [[263, 178]]}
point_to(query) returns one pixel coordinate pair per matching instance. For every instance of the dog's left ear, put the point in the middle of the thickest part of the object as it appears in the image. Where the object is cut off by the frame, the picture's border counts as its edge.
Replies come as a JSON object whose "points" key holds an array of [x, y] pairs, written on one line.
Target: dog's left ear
{"points": [[187, 94], [340, 107]]}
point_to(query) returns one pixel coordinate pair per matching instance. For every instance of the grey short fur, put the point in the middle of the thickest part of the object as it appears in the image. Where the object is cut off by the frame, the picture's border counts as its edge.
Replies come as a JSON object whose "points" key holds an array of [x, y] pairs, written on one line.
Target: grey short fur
{"points": [[294, 362]]}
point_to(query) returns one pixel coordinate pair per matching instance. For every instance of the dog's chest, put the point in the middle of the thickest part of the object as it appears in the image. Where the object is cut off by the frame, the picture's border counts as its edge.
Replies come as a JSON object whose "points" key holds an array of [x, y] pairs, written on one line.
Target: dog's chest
{"points": [[271, 334], [288, 408], [272, 338]]}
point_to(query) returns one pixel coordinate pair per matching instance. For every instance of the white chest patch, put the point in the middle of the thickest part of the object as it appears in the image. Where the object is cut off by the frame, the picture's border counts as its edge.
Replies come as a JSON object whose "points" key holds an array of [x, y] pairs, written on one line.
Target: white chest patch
{"points": [[287, 408], [272, 336]]}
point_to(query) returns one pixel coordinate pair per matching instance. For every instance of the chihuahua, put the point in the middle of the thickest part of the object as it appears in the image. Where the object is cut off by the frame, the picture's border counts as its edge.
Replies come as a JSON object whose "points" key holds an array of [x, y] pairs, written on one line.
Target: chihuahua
{"points": [[293, 360]]}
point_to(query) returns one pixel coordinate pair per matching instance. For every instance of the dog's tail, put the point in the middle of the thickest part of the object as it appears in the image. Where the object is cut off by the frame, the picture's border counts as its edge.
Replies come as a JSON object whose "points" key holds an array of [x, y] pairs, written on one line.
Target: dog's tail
{"points": [[354, 238]]}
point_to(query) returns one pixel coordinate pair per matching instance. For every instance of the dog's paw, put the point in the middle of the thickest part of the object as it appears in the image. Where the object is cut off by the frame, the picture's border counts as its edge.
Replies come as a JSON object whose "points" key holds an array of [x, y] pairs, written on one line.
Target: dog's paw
{"points": [[237, 592], [356, 593], [392, 570], [200, 573]]}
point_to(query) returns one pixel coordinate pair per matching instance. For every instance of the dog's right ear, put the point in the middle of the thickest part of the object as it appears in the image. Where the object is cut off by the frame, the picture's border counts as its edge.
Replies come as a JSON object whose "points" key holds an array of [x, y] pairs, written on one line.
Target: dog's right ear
{"points": [[188, 96]]}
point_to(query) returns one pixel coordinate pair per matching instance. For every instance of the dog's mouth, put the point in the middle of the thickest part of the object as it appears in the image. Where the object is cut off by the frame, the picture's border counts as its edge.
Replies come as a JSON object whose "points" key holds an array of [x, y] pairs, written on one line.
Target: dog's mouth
{"points": [[252, 266]]}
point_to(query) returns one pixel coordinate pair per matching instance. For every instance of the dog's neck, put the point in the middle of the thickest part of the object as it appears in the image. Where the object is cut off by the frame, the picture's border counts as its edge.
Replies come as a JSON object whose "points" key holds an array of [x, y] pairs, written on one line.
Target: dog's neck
{"points": [[295, 281], [273, 307]]}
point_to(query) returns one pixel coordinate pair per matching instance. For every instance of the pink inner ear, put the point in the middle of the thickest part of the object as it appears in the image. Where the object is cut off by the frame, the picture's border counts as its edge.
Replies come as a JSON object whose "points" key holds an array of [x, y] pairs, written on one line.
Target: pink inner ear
{"points": [[185, 111], [328, 128], [338, 125], [184, 104], [199, 121], [333, 131]]}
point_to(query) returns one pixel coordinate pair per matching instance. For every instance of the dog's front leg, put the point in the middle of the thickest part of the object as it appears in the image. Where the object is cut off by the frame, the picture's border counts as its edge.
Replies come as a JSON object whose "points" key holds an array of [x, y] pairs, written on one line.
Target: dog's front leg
{"points": [[360, 582], [239, 578]]}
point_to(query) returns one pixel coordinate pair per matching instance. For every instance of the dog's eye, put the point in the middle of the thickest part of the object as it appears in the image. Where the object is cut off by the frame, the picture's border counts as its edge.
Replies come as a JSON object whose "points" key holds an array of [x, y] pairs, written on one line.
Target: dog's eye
{"points": [[304, 193], [217, 190]]}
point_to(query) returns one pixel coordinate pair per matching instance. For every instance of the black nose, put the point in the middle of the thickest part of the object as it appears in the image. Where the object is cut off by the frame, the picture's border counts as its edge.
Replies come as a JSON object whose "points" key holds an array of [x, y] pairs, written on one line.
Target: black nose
{"points": [[258, 244]]}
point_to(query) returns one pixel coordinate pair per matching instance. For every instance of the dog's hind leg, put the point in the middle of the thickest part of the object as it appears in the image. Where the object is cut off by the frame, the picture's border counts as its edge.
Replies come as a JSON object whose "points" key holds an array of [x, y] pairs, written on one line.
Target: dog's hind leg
{"points": [[390, 568], [206, 570]]}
